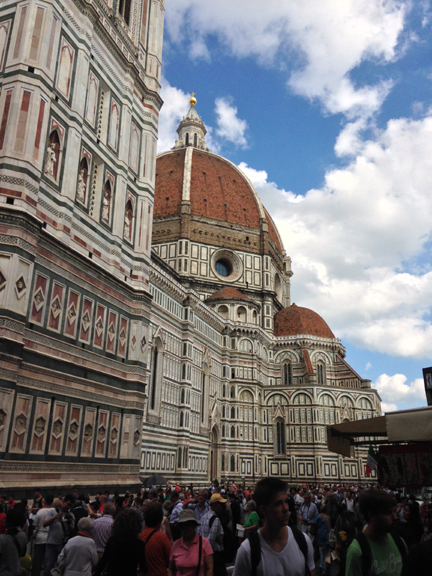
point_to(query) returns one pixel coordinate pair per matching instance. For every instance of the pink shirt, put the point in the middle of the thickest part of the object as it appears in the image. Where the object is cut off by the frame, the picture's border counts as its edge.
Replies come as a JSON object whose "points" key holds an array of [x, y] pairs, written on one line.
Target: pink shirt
{"points": [[186, 559]]}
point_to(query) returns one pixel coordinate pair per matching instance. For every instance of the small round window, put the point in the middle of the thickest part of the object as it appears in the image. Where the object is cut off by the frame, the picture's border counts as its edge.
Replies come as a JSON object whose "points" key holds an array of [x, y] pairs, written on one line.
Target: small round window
{"points": [[223, 267]]}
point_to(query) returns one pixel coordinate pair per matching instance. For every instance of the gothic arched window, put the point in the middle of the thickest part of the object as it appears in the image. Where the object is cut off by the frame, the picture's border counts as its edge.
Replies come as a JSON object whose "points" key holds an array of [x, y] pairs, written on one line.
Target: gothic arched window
{"points": [[321, 374], [287, 379], [125, 10], [280, 436], [232, 463], [195, 139], [233, 412], [232, 432], [154, 377], [181, 419], [187, 138]]}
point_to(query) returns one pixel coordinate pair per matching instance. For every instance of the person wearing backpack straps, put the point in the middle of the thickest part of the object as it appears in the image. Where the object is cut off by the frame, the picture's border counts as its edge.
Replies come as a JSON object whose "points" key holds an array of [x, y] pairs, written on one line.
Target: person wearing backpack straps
{"points": [[191, 555], [375, 551], [276, 549], [157, 543]]}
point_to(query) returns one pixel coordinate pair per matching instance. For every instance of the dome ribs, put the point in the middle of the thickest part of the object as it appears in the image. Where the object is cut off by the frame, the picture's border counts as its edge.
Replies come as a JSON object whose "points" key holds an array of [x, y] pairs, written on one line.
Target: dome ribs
{"points": [[169, 184], [295, 320], [219, 192]]}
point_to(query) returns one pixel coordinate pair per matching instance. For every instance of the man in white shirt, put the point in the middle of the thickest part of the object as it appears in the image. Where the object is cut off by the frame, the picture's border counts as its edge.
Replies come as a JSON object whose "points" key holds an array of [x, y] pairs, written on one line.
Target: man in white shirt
{"points": [[280, 553], [307, 513]]}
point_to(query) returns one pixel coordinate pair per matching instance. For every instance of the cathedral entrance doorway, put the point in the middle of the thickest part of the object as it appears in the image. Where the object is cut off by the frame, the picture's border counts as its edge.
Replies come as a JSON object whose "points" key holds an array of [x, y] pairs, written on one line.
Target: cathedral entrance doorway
{"points": [[214, 453]]}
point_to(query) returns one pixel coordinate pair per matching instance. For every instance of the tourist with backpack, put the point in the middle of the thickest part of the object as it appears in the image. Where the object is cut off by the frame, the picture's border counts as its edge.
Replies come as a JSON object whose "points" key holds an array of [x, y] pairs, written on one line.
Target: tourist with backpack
{"points": [[276, 549], [376, 551], [191, 554]]}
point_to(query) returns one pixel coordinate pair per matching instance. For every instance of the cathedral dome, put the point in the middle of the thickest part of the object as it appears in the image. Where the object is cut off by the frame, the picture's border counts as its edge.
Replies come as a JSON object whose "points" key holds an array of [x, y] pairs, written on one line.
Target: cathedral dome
{"points": [[217, 190], [228, 293], [209, 189], [295, 320]]}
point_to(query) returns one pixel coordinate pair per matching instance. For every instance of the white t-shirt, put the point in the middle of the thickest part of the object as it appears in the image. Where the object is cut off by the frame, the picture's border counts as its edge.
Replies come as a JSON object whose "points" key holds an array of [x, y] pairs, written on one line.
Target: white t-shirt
{"points": [[289, 562]]}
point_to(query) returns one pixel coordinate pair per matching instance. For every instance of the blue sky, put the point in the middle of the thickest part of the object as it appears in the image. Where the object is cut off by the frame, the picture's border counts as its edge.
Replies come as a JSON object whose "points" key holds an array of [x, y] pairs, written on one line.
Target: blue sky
{"points": [[327, 106]]}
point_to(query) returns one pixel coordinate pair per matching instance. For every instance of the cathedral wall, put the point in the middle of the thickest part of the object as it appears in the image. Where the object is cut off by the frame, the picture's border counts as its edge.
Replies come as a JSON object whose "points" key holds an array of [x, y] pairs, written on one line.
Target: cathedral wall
{"points": [[78, 130], [250, 404]]}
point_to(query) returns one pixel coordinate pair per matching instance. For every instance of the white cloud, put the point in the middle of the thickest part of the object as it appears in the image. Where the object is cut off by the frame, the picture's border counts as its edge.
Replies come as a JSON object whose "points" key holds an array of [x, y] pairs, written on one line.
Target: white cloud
{"points": [[395, 389], [318, 43], [368, 366], [388, 407], [176, 105], [229, 126], [359, 244]]}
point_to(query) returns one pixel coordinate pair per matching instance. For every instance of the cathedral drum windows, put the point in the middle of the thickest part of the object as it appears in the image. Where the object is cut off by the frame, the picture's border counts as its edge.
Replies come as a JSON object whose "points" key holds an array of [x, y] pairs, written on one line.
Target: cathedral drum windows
{"points": [[226, 265]]}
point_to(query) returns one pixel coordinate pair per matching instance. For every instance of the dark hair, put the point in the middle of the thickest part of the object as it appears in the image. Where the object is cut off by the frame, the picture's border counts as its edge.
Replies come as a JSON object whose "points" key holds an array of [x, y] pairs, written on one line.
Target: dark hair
{"points": [[49, 499], [374, 501], [127, 525], [266, 489], [15, 517], [154, 515], [69, 498], [175, 495]]}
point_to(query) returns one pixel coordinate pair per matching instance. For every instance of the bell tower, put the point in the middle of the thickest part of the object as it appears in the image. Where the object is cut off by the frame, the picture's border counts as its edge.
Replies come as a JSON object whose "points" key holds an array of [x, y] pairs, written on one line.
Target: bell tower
{"points": [[79, 110]]}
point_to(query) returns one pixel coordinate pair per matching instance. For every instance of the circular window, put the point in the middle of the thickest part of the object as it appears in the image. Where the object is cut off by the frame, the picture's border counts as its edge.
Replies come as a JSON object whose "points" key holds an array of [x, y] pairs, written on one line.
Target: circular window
{"points": [[223, 267], [226, 265]]}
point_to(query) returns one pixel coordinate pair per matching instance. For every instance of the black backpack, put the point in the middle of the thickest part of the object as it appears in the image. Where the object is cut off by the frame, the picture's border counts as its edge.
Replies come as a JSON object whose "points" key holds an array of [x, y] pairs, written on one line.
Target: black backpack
{"points": [[229, 541], [255, 546], [367, 552]]}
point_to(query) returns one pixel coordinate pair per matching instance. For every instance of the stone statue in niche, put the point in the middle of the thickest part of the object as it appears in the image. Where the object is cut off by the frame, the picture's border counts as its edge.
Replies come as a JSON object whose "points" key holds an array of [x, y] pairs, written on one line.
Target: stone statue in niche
{"points": [[128, 221], [81, 188], [106, 204], [51, 160]]}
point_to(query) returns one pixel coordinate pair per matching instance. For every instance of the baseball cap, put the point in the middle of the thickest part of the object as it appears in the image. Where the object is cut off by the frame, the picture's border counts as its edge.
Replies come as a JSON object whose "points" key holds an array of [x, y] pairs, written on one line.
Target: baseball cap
{"points": [[217, 498]]}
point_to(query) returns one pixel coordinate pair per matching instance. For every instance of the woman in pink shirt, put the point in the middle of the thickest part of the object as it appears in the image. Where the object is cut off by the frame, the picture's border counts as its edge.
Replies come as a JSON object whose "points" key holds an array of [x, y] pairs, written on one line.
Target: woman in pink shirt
{"points": [[191, 555]]}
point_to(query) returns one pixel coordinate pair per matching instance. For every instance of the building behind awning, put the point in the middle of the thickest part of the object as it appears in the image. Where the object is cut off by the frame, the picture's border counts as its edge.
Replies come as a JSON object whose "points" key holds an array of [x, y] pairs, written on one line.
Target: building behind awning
{"points": [[413, 425]]}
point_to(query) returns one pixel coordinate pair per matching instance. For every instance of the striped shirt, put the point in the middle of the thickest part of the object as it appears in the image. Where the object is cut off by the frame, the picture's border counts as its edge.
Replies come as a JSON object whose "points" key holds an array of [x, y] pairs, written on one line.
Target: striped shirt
{"points": [[101, 532]]}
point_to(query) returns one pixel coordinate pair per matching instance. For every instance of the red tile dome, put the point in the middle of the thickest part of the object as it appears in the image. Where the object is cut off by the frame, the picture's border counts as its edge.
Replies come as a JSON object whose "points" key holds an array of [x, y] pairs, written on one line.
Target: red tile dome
{"points": [[228, 293], [218, 190], [295, 320]]}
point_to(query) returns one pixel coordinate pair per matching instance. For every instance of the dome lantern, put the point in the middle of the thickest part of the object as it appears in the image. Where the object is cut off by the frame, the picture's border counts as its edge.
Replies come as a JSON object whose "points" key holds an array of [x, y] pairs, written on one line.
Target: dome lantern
{"points": [[191, 129]]}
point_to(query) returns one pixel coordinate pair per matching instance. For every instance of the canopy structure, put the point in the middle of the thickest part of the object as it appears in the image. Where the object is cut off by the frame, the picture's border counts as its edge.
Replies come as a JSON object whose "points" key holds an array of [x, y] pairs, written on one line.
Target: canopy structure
{"points": [[413, 425]]}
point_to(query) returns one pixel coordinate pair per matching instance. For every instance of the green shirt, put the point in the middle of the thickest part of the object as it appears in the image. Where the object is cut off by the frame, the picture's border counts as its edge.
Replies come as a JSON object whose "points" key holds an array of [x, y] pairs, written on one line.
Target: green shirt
{"points": [[252, 520], [386, 559]]}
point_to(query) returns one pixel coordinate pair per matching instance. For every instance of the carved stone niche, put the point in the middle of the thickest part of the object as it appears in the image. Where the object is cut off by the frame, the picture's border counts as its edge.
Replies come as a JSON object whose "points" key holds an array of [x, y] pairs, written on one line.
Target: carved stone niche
{"points": [[114, 435], [136, 437], [20, 287], [88, 432], [57, 428], [73, 429], [40, 425], [20, 424], [101, 434]]}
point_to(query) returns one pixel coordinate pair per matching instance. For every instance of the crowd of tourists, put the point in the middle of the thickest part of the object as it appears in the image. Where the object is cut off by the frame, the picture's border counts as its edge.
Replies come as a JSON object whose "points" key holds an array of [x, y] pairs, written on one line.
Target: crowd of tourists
{"points": [[268, 530]]}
